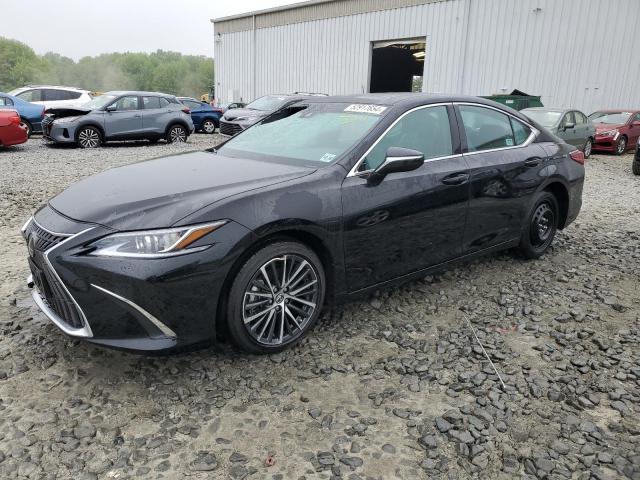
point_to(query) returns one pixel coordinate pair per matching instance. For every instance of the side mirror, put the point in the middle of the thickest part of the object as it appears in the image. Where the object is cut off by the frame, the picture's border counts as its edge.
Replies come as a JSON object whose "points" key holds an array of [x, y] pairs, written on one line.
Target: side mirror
{"points": [[111, 108], [569, 126], [398, 159]]}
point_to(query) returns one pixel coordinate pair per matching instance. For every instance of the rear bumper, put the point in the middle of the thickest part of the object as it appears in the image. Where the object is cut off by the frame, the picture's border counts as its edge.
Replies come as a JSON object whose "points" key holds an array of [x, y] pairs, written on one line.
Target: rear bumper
{"points": [[12, 135]]}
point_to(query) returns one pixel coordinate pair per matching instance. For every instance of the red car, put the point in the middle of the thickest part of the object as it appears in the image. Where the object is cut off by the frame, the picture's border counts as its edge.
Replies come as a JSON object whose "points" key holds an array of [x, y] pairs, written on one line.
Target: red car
{"points": [[616, 130], [11, 132]]}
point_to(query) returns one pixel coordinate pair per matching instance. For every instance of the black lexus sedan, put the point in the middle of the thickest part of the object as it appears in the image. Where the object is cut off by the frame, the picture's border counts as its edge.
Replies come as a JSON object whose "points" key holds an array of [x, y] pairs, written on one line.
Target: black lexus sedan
{"points": [[321, 201]]}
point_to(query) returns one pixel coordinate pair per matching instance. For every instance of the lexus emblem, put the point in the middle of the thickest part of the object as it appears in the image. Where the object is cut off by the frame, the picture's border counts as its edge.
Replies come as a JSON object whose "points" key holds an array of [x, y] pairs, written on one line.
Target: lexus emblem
{"points": [[31, 244]]}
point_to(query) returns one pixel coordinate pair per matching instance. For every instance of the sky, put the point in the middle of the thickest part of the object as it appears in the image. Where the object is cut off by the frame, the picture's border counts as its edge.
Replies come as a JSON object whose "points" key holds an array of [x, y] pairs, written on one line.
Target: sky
{"points": [[78, 28]]}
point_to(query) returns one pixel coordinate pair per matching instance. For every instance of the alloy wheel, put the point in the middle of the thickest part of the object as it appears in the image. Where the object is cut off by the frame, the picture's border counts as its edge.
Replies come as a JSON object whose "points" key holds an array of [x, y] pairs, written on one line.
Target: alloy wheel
{"points": [[622, 146], [587, 148], [89, 138], [178, 135], [208, 126], [280, 300], [542, 224]]}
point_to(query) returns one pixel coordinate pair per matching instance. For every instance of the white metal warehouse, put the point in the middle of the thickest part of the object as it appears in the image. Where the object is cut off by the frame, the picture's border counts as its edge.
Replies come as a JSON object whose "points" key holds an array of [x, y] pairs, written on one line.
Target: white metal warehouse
{"points": [[574, 53]]}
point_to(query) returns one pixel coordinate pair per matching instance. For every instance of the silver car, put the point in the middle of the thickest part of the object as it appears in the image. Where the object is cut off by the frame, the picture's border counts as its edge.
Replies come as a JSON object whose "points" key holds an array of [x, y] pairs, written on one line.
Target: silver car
{"points": [[572, 126], [119, 116]]}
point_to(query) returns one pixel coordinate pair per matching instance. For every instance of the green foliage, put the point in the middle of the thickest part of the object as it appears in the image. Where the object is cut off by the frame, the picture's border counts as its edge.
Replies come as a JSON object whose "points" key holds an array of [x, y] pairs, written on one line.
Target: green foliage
{"points": [[162, 71]]}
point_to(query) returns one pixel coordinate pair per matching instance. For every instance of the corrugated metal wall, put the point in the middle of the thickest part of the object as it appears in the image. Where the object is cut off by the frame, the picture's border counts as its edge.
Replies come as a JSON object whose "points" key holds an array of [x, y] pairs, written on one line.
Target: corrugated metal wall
{"points": [[576, 53]]}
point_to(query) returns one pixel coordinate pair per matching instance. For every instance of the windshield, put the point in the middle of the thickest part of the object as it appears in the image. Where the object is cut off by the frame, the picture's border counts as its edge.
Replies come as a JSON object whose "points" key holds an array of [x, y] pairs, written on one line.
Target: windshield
{"points": [[546, 118], [100, 101], [318, 133], [612, 118], [269, 103]]}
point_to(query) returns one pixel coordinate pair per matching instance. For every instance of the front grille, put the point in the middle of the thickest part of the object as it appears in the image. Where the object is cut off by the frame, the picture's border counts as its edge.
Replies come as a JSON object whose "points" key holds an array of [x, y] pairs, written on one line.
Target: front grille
{"points": [[47, 123], [50, 288], [43, 239], [230, 129]]}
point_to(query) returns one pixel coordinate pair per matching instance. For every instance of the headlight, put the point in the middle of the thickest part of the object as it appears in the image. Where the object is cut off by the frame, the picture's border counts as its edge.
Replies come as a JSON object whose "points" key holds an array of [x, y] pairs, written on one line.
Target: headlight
{"points": [[608, 133], [66, 119], [154, 243]]}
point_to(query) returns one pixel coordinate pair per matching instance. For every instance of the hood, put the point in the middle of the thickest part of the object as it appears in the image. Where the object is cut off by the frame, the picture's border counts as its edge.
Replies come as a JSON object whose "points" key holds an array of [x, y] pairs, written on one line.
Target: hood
{"points": [[157, 193], [604, 127], [231, 115], [60, 112]]}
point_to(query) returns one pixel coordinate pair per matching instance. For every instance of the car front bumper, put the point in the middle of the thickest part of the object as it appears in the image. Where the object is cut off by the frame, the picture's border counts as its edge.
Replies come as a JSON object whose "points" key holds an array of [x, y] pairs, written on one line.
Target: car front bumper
{"points": [[231, 128], [606, 144], [64, 133], [128, 303]]}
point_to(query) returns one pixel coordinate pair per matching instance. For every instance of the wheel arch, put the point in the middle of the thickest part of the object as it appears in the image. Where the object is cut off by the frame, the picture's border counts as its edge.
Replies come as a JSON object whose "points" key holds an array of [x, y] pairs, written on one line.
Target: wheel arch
{"points": [[299, 235], [182, 123], [90, 124], [561, 192]]}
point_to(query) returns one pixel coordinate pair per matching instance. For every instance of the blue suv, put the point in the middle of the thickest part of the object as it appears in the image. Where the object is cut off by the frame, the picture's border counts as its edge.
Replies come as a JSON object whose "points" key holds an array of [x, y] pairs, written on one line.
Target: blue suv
{"points": [[31, 115], [205, 118]]}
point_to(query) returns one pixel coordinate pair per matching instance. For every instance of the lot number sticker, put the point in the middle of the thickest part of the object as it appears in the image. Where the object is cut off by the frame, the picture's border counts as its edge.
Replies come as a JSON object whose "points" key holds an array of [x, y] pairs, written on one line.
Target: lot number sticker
{"points": [[361, 108]]}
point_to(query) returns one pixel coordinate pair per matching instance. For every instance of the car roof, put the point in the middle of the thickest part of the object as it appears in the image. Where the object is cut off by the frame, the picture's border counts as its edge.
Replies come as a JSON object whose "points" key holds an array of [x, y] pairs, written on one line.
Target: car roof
{"points": [[400, 98], [54, 87], [549, 109], [136, 92], [614, 110]]}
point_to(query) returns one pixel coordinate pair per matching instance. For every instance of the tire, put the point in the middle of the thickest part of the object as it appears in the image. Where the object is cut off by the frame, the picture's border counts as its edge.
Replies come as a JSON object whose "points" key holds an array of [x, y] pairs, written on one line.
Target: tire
{"points": [[176, 133], [89, 137], [635, 167], [541, 227], [27, 125], [208, 126], [285, 319], [588, 148], [621, 146]]}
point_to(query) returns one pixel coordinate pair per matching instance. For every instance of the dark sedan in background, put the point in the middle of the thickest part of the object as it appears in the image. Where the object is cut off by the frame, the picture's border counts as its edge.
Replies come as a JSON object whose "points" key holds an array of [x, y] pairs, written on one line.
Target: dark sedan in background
{"points": [[636, 160], [325, 199], [616, 130], [236, 120]]}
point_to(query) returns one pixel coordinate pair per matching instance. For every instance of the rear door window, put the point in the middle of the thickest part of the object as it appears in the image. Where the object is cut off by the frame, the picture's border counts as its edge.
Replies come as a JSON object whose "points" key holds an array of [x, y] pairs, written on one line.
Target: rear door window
{"points": [[34, 95], [151, 102], [487, 129], [192, 105], [164, 102], [426, 130], [580, 119], [4, 101]]}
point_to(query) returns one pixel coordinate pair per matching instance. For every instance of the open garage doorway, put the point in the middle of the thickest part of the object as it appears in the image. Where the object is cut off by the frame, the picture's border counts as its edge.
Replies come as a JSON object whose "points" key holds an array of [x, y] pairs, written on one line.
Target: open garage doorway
{"points": [[397, 65]]}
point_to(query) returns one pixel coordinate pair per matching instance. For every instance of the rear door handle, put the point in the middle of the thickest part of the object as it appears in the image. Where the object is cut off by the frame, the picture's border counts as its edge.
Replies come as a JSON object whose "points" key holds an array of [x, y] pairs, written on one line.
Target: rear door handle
{"points": [[532, 162], [456, 178]]}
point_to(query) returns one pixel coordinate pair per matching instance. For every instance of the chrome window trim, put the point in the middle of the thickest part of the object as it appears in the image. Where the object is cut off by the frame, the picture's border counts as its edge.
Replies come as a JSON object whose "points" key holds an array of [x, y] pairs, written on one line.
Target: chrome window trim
{"points": [[354, 171], [85, 331], [534, 131], [161, 326]]}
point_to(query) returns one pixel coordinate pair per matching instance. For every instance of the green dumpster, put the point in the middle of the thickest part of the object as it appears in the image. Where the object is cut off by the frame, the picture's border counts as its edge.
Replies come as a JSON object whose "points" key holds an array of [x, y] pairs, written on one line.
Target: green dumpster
{"points": [[517, 100]]}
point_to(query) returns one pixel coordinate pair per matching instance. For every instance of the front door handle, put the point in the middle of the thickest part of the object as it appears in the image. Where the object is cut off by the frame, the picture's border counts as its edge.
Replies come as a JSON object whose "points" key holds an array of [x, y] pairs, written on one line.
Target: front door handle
{"points": [[532, 162], [456, 178]]}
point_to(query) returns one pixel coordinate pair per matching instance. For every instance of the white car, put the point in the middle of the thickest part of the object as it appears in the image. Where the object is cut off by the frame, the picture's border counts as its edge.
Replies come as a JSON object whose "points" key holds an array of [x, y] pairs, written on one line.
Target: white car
{"points": [[52, 96]]}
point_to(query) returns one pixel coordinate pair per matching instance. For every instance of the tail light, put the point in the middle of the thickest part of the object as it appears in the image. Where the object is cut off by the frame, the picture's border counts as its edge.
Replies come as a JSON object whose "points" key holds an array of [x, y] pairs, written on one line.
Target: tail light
{"points": [[577, 156], [15, 119], [186, 110]]}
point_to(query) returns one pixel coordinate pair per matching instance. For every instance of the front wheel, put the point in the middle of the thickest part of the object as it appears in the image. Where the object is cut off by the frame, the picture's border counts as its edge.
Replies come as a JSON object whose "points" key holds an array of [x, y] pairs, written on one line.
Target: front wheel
{"points": [[621, 146], [275, 298], [177, 134], [541, 227], [588, 147], [89, 137]]}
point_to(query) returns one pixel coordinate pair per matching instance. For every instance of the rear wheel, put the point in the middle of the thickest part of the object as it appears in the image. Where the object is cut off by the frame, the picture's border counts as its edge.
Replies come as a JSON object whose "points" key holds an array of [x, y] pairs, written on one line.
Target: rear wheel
{"points": [[89, 137], [588, 147], [25, 124], [635, 166], [208, 126], [176, 134], [275, 298], [621, 146], [541, 227]]}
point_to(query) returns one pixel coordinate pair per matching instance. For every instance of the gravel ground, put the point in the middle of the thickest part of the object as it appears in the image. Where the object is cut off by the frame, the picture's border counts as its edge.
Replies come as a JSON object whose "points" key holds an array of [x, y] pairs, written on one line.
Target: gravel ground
{"points": [[394, 386]]}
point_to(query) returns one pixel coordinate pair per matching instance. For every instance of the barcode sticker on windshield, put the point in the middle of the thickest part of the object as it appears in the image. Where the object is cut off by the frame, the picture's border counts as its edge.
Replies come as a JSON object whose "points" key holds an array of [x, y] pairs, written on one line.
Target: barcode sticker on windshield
{"points": [[361, 108]]}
